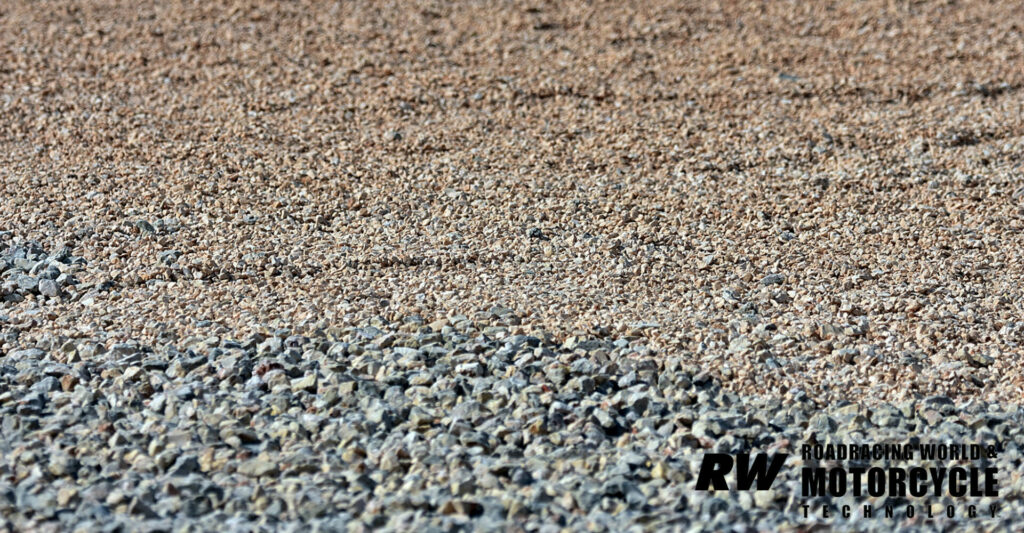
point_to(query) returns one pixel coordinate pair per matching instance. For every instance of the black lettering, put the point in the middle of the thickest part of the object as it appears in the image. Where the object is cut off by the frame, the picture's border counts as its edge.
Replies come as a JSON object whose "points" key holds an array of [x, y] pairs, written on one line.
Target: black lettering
{"points": [[876, 482], [837, 482], [975, 482], [856, 473], [897, 482], [713, 469], [938, 474], [917, 476], [763, 473], [990, 482], [957, 482], [813, 481]]}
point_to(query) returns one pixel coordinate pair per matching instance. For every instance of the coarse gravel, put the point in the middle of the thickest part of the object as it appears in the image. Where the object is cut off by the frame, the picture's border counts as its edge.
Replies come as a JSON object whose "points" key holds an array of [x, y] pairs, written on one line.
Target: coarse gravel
{"points": [[454, 425]]}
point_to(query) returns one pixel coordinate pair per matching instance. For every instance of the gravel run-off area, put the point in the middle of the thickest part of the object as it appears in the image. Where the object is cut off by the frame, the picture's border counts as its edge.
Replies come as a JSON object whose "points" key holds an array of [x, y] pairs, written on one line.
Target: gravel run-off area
{"points": [[500, 265]]}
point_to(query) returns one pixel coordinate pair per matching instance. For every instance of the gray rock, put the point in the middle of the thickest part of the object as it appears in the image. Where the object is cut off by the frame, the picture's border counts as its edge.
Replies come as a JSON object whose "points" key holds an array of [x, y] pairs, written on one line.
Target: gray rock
{"points": [[185, 465], [49, 288]]}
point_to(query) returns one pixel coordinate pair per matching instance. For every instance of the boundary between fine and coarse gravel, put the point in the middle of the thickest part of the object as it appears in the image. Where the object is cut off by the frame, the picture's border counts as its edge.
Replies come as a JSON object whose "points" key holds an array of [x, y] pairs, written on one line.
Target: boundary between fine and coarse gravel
{"points": [[459, 422]]}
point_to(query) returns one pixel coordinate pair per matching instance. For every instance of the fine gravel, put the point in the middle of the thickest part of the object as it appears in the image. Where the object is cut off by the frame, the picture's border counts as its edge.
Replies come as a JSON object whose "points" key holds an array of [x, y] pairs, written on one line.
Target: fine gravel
{"points": [[498, 265], [846, 174]]}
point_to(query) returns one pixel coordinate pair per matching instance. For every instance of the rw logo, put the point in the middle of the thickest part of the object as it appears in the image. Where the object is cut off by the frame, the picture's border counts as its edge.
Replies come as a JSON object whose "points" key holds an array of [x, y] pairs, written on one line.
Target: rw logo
{"points": [[716, 465]]}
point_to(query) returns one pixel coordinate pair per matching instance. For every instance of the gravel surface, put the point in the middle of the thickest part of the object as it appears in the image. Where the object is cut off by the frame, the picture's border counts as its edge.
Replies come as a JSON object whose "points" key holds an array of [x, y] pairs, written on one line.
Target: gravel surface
{"points": [[460, 423], [821, 168], [578, 244]]}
